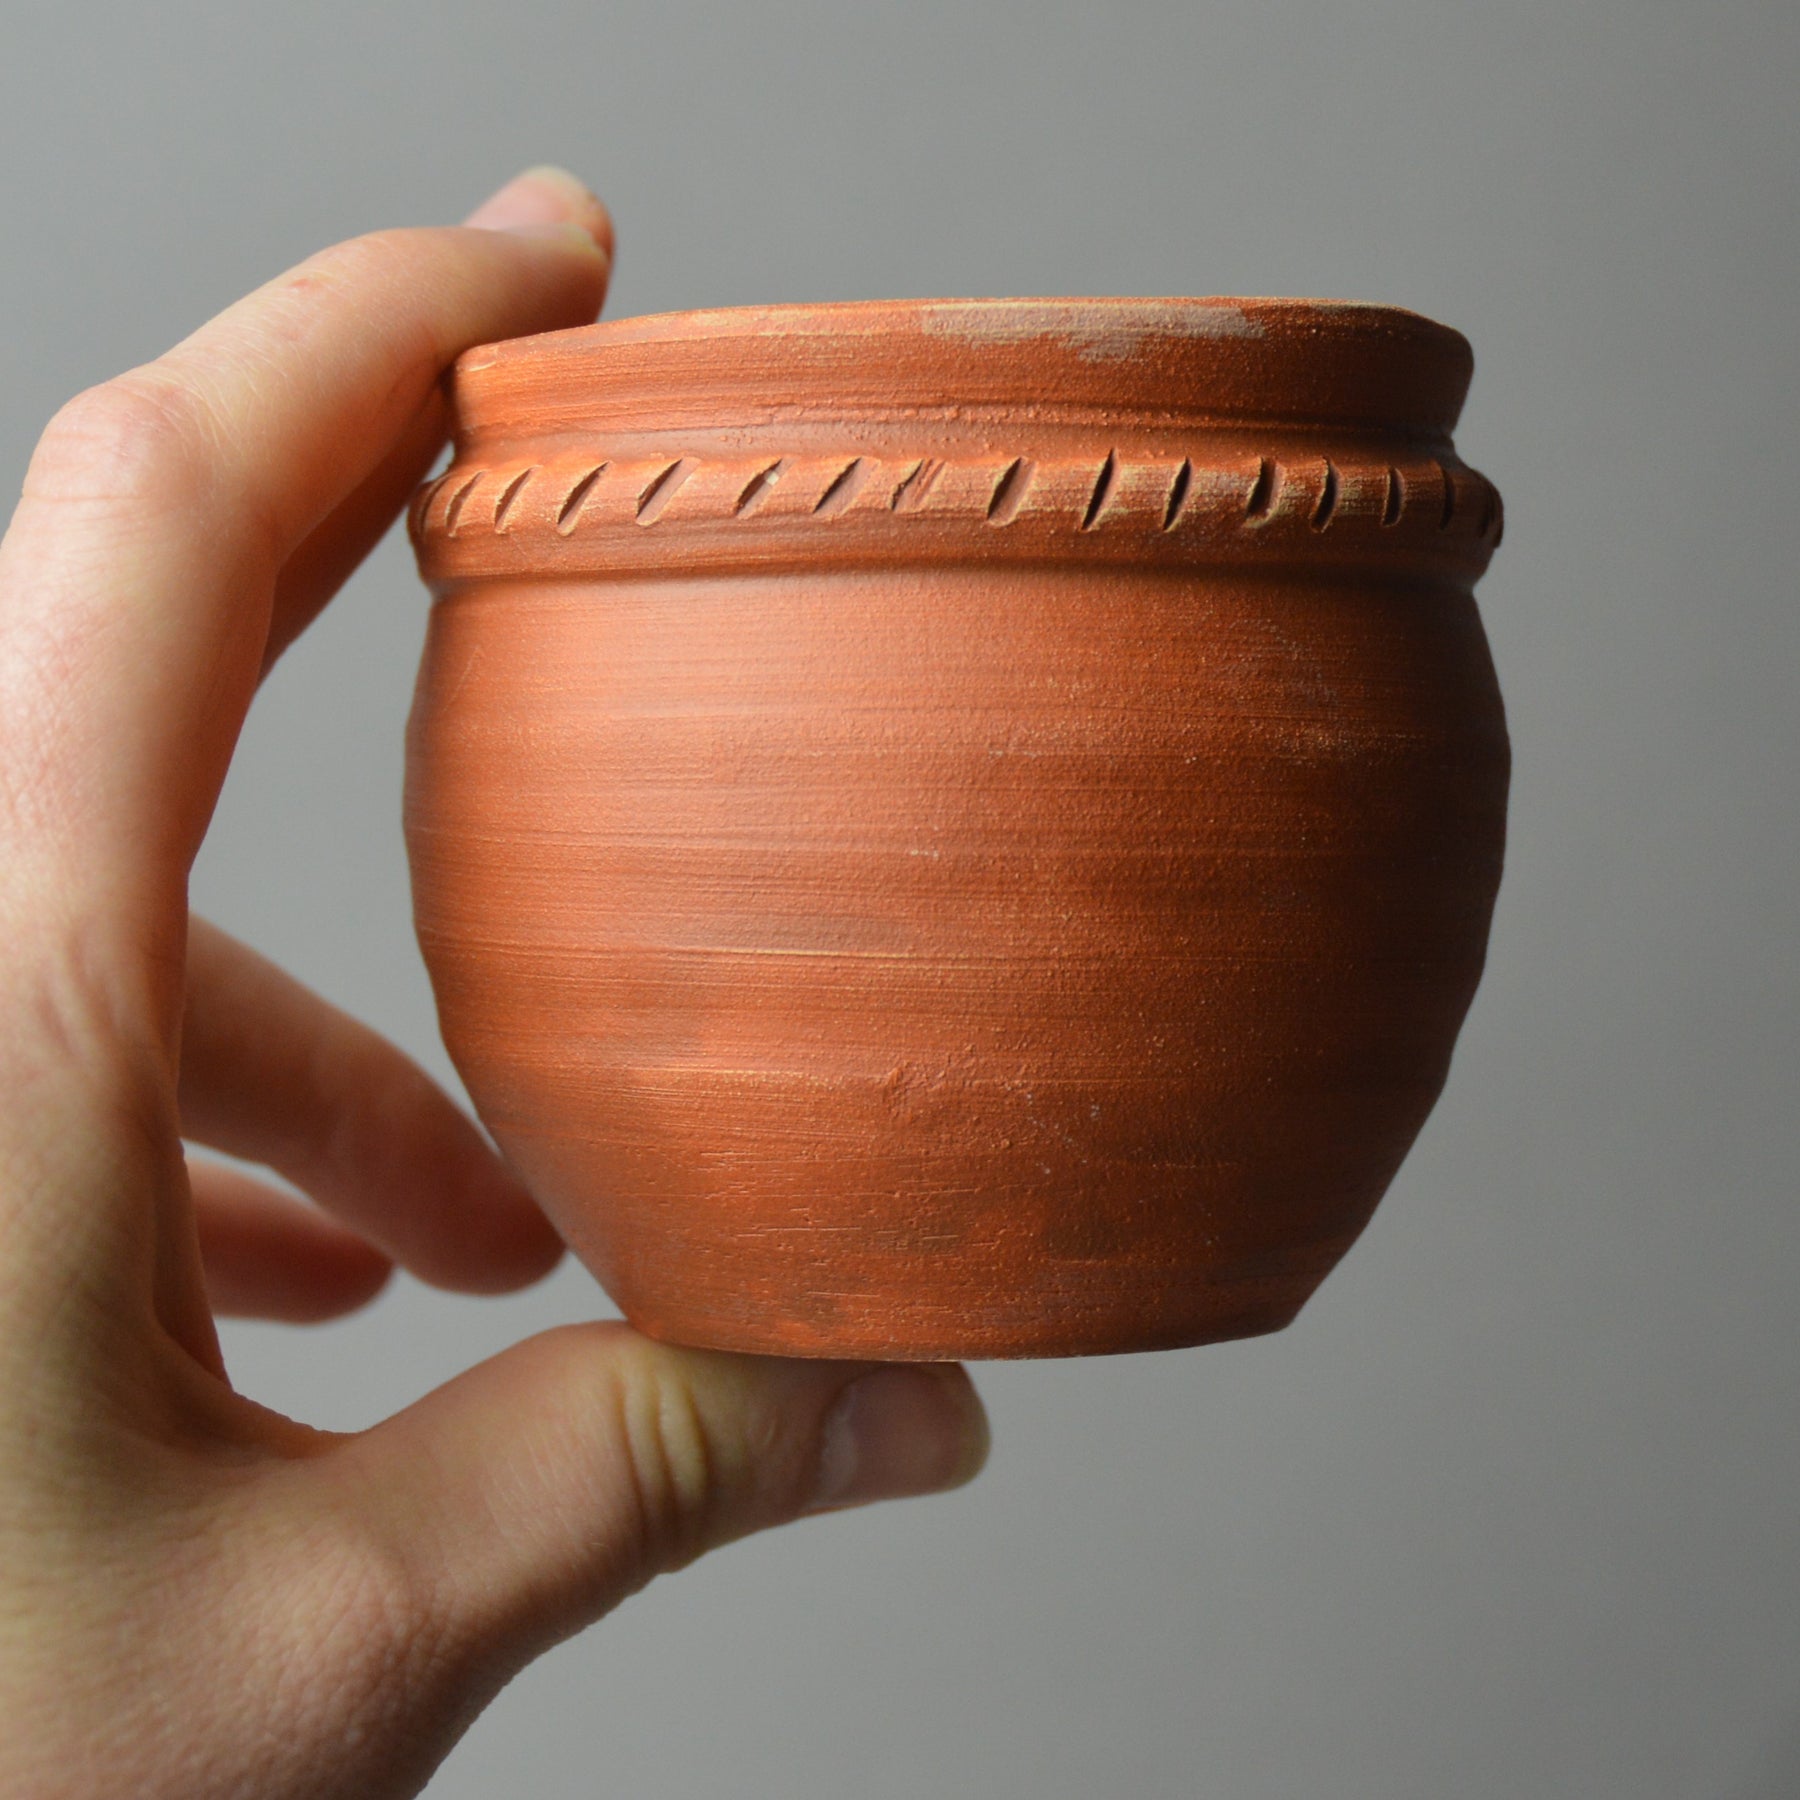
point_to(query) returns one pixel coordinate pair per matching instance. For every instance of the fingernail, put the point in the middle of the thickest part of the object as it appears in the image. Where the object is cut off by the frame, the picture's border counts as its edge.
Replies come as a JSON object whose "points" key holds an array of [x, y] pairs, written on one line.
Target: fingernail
{"points": [[546, 196], [574, 189], [900, 1431], [564, 231]]}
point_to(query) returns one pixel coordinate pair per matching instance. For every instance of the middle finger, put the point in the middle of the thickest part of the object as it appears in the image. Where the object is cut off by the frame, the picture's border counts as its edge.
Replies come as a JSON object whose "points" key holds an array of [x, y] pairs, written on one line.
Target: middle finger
{"points": [[273, 1074]]}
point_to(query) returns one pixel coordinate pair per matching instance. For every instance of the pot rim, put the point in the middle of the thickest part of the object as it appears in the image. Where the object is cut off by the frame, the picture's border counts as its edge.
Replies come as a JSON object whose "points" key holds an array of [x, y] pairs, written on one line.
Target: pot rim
{"points": [[1107, 326], [1081, 360]]}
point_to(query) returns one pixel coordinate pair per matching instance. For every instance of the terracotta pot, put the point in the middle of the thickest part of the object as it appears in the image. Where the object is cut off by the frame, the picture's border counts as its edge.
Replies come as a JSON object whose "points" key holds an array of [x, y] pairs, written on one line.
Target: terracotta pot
{"points": [[958, 829]]}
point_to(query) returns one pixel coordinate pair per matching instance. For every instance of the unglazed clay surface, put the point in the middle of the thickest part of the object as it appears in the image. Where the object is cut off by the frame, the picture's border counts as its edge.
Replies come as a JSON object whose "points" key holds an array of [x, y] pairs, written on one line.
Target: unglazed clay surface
{"points": [[958, 828]]}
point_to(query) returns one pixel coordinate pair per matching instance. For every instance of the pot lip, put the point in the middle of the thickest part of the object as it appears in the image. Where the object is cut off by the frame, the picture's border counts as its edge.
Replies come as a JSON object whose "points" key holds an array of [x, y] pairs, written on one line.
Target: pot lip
{"points": [[1097, 327], [1100, 362]]}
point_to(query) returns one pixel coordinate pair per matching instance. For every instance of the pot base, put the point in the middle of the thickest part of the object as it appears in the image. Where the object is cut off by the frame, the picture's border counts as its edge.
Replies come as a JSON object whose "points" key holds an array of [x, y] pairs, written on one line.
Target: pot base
{"points": [[971, 1339]]}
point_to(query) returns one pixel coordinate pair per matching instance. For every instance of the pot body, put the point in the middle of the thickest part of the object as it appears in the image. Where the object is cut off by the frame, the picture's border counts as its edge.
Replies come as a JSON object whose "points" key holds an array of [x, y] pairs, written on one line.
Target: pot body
{"points": [[958, 830]]}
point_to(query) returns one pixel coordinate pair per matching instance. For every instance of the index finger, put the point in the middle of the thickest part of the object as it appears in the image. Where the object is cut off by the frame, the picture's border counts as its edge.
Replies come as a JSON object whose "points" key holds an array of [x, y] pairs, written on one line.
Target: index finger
{"points": [[137, 577]]}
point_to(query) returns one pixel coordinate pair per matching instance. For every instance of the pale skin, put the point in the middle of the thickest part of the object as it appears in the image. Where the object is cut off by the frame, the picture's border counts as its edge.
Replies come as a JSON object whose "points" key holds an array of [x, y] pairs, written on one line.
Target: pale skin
{"points": [[199, 1597]]}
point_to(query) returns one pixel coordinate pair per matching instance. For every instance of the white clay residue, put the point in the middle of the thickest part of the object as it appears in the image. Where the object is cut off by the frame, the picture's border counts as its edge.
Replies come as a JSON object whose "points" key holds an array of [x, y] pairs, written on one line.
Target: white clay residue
{"points": [[1098, 330]]}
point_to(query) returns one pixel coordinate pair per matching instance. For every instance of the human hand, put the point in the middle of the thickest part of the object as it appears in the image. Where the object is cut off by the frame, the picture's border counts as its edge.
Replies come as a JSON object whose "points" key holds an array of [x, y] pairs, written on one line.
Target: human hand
{"points": [[199, 1597]]}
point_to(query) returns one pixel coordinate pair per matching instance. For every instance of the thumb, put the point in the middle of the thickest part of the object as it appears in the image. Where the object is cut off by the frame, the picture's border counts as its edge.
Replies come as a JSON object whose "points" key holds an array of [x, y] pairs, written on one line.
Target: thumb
{"points": [[532, 1494]]}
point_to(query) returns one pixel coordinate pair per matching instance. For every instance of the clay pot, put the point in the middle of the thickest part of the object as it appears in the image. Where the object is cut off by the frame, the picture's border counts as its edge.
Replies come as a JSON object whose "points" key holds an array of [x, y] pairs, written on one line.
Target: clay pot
{"points": [[958, 829]]}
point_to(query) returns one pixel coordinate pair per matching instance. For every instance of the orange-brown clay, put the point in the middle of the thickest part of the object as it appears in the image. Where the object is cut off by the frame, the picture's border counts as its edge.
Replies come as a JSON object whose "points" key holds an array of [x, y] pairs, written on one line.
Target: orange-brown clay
{"points": [[961, 828]]}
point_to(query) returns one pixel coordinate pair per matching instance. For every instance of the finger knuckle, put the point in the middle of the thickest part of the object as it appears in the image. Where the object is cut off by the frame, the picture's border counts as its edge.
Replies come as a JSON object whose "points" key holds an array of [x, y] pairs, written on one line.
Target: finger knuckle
{"points": [[140, 438], [395, 273], [396, 246], [378, 1628], [669, 1459], [357, 265]]}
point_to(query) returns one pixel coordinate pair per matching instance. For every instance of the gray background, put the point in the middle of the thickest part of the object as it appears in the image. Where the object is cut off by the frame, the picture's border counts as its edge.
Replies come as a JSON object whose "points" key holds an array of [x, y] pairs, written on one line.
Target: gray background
{"points": [[1512, 1510]]}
